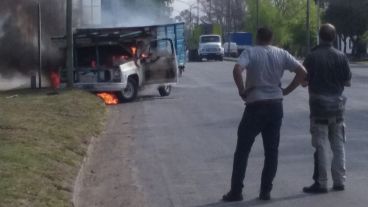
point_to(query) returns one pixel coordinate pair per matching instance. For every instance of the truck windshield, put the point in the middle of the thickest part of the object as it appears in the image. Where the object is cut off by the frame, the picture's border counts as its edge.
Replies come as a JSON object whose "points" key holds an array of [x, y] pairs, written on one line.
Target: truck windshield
{"points": [[207, 39], [108, 56]]}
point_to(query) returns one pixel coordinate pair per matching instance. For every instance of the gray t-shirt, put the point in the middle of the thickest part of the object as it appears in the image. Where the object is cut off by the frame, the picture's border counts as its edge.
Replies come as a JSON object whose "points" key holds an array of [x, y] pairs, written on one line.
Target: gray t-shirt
{"points": [[265, 66]]}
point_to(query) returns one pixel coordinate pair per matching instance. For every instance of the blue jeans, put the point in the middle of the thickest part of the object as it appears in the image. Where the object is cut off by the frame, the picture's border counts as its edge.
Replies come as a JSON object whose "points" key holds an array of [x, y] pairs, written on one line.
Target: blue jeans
{"points": [[264, 118]]}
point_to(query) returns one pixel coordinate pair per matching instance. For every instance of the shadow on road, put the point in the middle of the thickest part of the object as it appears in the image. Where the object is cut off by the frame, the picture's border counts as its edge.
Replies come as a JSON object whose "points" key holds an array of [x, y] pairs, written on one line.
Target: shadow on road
{"points": [[147, 98], [152, 98], [254, 202]]}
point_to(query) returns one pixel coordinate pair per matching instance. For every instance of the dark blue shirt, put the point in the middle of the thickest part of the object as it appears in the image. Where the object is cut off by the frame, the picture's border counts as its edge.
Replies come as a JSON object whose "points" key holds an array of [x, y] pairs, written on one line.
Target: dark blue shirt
{"points": [[328, 70]]}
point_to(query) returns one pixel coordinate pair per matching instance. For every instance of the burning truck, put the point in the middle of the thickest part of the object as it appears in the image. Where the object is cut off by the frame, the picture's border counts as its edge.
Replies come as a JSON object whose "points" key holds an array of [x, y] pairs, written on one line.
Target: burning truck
{"points": [[122, 60]]}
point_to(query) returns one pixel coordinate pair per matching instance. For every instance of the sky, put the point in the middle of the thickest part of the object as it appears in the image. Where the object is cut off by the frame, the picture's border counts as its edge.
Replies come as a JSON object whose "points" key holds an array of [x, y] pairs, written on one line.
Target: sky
{"points": [[180, 5]]}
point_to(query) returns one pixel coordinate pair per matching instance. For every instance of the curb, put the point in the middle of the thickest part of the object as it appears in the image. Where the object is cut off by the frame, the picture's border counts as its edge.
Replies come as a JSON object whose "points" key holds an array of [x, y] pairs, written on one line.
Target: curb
{"points": [[231, 59]]}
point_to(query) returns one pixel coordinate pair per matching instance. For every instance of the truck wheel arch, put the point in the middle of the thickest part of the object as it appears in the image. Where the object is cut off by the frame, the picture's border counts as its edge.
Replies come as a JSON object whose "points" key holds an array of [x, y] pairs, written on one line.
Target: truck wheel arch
{"points": [[130, 93], [135, 78]]}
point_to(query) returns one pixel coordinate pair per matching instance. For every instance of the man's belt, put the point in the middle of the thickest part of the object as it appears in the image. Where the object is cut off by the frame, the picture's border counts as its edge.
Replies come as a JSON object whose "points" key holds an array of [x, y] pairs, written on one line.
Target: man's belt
{"points": [[264, 102]]}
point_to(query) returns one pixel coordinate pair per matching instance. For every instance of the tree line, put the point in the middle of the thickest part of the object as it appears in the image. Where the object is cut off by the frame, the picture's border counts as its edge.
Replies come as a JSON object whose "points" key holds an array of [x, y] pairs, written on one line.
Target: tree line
{"points": [[287, 18]]}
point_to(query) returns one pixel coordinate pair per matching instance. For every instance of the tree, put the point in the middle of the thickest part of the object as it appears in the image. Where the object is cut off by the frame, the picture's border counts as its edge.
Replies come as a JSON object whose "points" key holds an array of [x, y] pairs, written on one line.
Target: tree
{"points": [[287, 19], [350, 19], [216, 11], [185, 16]]}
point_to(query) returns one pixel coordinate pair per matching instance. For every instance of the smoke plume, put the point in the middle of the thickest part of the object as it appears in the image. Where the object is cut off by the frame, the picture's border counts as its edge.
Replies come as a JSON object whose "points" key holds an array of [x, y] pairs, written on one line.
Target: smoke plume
{"points": [[117, 13], [19, 37]]}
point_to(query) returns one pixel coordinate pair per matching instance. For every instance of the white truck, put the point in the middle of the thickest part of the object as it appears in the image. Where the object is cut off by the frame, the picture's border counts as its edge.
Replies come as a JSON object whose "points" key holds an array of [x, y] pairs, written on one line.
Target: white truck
{"points": [[210, 47], [124, 60]]}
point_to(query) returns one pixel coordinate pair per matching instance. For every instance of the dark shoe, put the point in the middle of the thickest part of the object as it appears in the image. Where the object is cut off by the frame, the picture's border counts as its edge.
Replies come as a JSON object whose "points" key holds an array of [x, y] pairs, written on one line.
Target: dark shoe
{"points": [[264, 196], [338, 187], [232, 197], [315, 189]]}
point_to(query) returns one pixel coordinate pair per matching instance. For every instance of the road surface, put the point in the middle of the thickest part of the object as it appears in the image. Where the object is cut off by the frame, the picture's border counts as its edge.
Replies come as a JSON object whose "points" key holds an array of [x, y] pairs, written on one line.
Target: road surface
{"points": [[182, 146]]}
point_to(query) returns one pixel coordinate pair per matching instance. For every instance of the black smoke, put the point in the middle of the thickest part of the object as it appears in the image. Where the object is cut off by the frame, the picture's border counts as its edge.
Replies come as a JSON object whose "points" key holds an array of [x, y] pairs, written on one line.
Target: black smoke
{"points": [[19, 35], [19, 27]]}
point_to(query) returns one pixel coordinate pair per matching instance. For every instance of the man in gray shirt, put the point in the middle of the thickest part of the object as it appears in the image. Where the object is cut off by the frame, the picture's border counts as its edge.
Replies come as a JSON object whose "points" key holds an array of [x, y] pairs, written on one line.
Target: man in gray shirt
{"points": [[264, 65]]}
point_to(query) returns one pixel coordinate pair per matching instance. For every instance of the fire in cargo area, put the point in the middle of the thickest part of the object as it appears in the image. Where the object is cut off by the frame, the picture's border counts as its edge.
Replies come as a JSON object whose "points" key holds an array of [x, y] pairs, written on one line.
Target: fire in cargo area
{"points": [[109, 98]]}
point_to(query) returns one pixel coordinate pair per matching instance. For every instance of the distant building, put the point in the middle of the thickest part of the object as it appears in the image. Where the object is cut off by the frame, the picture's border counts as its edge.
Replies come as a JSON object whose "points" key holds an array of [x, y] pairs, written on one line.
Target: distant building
{"points": [[348, 46], [341, 45]]}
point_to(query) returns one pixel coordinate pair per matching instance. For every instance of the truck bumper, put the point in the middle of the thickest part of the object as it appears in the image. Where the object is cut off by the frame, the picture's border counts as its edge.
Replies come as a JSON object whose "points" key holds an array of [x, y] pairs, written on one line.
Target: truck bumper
{"points": [[211, 55], [101, 87], [214, 56]]}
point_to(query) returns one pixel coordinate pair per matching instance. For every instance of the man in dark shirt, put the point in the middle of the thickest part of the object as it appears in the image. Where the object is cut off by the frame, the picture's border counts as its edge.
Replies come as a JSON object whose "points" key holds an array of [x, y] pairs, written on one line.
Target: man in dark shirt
{"points": [[328, 74]]}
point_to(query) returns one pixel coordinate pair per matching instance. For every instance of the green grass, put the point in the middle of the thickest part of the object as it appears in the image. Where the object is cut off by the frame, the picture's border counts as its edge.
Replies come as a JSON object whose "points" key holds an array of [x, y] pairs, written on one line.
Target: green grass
{"points": [[43, 140]]}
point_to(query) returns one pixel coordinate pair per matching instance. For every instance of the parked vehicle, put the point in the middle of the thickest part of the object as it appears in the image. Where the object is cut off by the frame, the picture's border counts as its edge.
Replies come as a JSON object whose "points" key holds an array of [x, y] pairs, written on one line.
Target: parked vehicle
{"points": [[231, 50], [197, 46], [123, 60], [242, 40], [210, 47]]}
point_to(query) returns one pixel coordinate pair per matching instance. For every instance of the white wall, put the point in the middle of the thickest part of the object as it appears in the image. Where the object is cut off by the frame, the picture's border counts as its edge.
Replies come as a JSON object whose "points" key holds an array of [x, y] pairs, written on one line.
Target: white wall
{"points": [[349, 45], [89, 12]]}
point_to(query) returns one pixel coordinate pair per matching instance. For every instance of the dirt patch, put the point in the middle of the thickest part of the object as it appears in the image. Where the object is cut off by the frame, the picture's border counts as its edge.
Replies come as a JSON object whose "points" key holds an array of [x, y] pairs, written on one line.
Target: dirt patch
{"points": [[107, 178]]}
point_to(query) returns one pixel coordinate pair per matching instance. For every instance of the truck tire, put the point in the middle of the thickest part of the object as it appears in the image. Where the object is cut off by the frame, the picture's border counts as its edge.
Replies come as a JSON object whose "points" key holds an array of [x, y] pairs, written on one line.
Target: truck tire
{"points": [[193, 55], [200, 58], [164, 90], [221, 58], [129, 94]]}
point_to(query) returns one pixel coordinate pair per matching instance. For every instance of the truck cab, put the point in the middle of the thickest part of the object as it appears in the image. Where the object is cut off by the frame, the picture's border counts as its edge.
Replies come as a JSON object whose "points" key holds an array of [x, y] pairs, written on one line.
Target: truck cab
{"points": [[210, 47]]}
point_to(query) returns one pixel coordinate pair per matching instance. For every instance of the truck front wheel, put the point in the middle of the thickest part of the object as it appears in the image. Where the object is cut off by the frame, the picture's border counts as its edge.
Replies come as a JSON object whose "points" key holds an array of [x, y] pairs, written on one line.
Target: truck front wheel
{"points": [[129, 93], [164, 90]]}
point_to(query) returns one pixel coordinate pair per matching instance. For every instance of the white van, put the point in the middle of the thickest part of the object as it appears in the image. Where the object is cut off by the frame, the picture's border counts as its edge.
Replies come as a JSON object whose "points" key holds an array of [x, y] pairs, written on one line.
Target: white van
{"points": [[233, 52]]}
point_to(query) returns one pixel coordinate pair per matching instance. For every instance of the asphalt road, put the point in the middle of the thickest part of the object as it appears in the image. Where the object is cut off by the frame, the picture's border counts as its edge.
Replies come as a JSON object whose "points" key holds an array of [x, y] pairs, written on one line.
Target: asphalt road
{"points": [[183, 144]]}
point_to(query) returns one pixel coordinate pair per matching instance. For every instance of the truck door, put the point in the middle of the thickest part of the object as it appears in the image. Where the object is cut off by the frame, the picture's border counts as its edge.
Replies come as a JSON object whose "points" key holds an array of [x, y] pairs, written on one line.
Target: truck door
{"points": [[160, 65]]}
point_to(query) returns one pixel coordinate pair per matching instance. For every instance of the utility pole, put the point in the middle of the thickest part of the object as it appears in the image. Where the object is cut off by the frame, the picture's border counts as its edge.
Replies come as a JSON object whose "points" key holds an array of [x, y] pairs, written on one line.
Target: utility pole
{"points": [[197, 12], [257, 22], [39, 45], [228, 26], [318, 2], [308, 25], [190, 17], [69, 37], [210, 14]]}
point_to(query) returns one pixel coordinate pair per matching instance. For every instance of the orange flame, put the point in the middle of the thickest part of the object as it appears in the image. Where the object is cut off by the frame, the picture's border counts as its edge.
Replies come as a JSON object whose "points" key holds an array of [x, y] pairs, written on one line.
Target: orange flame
{"points": [[134, 50], [109, 98]]}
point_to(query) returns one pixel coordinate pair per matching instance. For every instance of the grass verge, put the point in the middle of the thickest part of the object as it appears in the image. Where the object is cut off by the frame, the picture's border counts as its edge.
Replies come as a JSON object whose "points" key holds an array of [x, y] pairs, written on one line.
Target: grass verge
{"points": [[43, 140]]}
